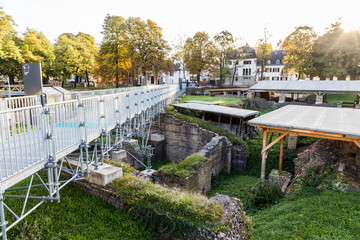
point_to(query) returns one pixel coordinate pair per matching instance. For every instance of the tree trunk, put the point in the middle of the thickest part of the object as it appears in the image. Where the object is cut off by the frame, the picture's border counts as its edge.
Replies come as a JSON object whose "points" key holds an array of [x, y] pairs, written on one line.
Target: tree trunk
{"points": [[12, 79], [117, 73], [233, 77], [87, 78]]}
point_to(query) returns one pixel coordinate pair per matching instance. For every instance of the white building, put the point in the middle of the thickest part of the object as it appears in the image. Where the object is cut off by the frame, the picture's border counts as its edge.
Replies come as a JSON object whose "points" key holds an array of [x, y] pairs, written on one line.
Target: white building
{"points": [[274, 69], [179, 74], [243, 68]]}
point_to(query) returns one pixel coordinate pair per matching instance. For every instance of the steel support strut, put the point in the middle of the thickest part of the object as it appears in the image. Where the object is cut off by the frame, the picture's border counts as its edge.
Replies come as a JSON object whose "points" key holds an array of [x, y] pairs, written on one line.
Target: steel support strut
{"points": [[2, 213]]}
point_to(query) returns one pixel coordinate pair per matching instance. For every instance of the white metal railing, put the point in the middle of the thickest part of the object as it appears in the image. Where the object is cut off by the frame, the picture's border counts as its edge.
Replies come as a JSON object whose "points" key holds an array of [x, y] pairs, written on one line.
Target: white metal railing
{"points": [[26, 126]]}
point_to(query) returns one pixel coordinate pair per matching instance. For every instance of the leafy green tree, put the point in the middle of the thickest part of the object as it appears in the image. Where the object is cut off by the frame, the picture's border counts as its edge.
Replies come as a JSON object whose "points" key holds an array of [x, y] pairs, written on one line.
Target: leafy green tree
{"points": [[199, 54], [337, 53], [66, 56], [224, 42], [298, 47], [10, 54], [263, 51], [87, 52], [148, 49], [36, 47], [113, 61]]}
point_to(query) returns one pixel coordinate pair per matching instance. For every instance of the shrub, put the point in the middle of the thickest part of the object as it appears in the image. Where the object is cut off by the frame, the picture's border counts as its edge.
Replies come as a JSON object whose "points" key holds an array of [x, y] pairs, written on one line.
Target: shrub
{"points": [[315, 179], [184, 168], [265, 196]]}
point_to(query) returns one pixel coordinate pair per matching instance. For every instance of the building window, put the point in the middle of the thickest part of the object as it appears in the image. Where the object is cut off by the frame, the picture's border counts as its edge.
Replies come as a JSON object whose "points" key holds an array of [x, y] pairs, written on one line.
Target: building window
{"points": [[247, 62], [276, 70], [278, 61], [246, 72], [268, 69], [275, 78], [284, 78], [236, 79], [230, 62]]}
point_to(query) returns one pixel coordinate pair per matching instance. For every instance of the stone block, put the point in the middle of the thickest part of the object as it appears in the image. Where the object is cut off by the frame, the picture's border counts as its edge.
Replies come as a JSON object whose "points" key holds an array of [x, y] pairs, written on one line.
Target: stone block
{"points": [[157, 141], [282, 98], [292, 142], [199, 182], [102, 176], [249, 94], [319, 100], [281, 179], [156, 137], [119, 155]]}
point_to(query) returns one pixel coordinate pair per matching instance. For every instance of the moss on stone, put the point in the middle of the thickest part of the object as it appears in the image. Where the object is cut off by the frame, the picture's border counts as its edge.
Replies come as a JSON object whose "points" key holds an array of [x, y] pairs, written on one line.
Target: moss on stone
{"points": [[184, 168]]}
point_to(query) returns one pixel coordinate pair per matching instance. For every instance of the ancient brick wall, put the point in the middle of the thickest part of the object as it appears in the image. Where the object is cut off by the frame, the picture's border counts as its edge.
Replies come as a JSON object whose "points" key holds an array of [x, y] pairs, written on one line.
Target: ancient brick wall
{"points": [[182, 139]]}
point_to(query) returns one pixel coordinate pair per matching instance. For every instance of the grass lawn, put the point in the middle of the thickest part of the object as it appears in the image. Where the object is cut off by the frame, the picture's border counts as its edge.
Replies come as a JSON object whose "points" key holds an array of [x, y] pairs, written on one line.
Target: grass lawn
{"points": [[224, 101], [338, 98], [77, 216], [326, 215]]}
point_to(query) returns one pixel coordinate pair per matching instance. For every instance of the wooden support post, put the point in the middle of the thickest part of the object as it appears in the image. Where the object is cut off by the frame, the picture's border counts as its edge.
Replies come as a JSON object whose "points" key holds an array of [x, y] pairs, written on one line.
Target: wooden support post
{"points": [[203, 116], [281, 154], [230, 124], [219, 119], [264, 155]]}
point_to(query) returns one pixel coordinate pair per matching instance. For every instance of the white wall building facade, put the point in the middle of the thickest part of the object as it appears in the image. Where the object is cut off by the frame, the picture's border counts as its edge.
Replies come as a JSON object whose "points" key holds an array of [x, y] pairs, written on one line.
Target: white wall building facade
{"points": [[274, 69]]}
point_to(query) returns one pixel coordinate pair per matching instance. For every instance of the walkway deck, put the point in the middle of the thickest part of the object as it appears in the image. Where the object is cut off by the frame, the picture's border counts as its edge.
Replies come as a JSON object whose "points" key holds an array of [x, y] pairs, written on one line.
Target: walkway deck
{"points": [[30, 133]]}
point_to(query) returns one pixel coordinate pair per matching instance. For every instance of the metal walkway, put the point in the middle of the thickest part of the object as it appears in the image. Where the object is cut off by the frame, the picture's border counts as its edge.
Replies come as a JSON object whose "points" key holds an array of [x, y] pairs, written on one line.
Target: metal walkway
{"points": [[35, 136]]}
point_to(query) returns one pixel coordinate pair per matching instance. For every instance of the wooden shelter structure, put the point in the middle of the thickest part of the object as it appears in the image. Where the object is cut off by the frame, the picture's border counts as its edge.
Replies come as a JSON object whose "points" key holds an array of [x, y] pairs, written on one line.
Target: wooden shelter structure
{"points": [[236, 118], [310, 121], [238, 91]]}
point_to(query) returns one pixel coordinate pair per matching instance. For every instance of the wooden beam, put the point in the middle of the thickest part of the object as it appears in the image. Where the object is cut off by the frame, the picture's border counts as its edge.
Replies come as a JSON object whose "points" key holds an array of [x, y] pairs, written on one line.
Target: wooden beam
{"points": [[263, 159], [310, 133], [357, 142], [281, 154], [275, 141]]}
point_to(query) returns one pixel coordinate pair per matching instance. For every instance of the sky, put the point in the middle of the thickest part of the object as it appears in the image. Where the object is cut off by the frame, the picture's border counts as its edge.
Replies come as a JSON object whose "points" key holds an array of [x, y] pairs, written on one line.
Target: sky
{"points": [[244, 19]]}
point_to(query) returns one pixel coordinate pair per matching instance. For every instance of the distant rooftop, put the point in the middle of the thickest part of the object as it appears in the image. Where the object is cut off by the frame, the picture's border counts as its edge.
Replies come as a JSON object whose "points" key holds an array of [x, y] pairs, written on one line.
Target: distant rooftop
{"points": [[342, 86]]}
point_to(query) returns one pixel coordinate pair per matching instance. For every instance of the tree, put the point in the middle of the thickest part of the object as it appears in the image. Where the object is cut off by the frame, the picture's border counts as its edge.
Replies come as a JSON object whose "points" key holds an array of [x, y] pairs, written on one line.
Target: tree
{"points": [[298, 47], [337, 53], [36, 47], [224, 42], [263, 50], [87, 52], [10, 55], [113, 61], [67, 56], [199, 53], [148, 49], [179, 55]]}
